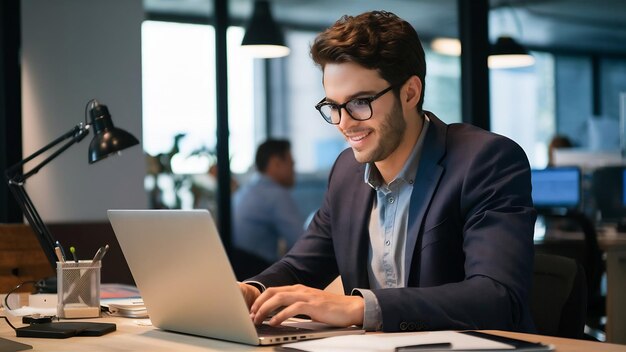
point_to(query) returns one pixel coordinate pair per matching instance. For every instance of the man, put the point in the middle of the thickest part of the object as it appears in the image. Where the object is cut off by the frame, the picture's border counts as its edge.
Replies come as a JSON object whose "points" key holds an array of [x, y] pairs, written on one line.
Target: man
{"points": [[264, 210], [429, 225]]}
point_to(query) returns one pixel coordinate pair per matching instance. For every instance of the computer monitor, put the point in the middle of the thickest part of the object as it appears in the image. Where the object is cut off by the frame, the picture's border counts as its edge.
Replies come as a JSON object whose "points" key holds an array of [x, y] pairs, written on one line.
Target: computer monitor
{"points": [[556, 188], [624, 187], [609, 193], [587, 159]]}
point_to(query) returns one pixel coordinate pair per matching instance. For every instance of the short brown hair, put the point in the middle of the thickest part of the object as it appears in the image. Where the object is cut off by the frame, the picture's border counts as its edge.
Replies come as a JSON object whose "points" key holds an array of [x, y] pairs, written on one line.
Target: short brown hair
{"points": [[268, 149], [377, 40]]}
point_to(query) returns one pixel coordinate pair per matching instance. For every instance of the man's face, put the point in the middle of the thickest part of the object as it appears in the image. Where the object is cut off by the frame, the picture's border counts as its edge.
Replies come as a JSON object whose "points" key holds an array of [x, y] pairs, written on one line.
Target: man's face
{"points": [[283, 169], [374, 139]]}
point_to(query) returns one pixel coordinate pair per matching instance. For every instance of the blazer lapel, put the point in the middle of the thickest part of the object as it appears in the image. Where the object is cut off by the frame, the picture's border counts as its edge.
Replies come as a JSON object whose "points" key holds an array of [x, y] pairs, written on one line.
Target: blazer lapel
{"points": [[359, 234], [428, 175]]}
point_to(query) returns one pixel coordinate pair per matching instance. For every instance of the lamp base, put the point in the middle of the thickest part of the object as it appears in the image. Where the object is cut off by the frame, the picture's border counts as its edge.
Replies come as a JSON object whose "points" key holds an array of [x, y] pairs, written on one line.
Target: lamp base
{"points": [[47, 285]]}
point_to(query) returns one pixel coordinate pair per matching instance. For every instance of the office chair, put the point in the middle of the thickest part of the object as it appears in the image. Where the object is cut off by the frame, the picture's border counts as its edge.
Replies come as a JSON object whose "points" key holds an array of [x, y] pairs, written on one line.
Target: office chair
{"points": [[588, 255], [558, 299]]}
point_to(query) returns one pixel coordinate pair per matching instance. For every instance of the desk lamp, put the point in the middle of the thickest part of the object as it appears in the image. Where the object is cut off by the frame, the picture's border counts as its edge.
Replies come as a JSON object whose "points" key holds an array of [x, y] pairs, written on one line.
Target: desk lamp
{"points": [[107, 140]]}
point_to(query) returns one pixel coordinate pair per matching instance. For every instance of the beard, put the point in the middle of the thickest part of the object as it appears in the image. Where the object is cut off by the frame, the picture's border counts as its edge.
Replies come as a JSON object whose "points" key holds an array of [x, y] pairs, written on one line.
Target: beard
{"points": [[389, 134]]}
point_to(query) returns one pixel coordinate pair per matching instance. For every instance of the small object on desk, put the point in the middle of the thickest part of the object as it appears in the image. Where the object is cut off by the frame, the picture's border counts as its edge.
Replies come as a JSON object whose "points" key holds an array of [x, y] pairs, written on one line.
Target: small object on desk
{"points": [[47, 285], [37, 319], [73, 251], [59, 254], [100, 253], [78, 289], [58, 244], [62, 330], [425, 347], [129, 308]]}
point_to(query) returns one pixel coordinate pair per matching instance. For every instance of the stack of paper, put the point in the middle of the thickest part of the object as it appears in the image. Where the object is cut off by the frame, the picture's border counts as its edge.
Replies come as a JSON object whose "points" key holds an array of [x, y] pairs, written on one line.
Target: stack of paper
{"points": [[125, 307], [122, 300]]}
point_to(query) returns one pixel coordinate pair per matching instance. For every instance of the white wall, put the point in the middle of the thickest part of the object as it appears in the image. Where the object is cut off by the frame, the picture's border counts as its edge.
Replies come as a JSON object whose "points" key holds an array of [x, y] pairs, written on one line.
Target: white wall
{"points": [[72, 51]]}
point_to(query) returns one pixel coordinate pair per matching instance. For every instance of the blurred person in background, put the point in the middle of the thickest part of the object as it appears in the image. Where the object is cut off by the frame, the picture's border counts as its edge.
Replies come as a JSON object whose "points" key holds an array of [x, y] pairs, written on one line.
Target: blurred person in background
{"points": [[266, 220]]}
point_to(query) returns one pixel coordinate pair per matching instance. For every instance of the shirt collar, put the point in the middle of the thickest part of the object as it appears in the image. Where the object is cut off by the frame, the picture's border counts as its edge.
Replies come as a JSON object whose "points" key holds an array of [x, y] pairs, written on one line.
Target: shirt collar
{"points": [[372, 175]]}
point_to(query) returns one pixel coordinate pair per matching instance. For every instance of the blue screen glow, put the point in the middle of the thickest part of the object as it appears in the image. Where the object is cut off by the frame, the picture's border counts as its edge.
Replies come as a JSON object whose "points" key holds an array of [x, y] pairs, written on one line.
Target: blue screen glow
{"points": [[556, 187]]}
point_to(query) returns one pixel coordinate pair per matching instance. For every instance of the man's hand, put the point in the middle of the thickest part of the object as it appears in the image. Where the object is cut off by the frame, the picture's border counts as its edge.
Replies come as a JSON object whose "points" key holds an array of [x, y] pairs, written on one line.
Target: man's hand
{"points": [[321, 306], [250, 293]]}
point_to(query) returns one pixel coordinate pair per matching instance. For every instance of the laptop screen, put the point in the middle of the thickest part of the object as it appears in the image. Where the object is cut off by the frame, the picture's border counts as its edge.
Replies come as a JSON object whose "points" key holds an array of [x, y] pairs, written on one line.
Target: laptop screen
{"points": [[558, 187]]}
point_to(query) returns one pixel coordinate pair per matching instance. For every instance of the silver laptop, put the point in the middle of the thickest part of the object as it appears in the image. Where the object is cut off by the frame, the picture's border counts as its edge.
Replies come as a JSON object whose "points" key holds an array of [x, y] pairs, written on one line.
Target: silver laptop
{"points": [[186, 281]]}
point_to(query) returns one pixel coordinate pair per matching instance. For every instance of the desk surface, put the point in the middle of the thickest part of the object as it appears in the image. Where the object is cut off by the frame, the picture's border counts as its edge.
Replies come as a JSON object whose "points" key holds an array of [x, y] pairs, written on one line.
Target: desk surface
{"points": [[130, 336]]}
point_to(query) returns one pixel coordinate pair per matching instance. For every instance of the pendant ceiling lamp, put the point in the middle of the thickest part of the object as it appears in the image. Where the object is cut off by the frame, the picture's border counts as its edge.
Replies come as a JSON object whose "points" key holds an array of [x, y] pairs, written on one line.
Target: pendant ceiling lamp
{"points": [[264, 37], [507, 52]]}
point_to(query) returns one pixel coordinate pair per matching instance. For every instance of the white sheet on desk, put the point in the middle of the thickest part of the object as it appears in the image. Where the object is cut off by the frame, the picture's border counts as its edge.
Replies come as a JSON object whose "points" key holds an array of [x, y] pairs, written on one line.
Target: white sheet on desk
{"points": [[388, 342], [20, 312]]}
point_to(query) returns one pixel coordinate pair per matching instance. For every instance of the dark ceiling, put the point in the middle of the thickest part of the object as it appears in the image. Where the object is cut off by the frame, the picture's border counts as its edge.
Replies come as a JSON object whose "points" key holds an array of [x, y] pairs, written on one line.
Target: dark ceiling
{"points": [[595, 26]]}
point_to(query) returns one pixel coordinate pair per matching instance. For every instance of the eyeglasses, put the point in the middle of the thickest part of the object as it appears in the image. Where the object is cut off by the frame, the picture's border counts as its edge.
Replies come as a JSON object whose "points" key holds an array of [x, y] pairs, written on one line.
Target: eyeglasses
{"points": [[359, 109]]}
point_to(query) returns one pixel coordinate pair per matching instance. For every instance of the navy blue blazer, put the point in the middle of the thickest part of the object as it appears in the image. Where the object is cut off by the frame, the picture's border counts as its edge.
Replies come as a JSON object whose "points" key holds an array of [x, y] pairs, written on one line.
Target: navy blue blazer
{"points": [[470, 243]]}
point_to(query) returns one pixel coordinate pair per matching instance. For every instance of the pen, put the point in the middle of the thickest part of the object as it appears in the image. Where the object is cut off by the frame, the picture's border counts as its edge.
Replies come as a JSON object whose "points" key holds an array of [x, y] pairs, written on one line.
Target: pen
{"points": [[58, 244], [57, 250], [73, 251], [443, 346], [100, 253]]}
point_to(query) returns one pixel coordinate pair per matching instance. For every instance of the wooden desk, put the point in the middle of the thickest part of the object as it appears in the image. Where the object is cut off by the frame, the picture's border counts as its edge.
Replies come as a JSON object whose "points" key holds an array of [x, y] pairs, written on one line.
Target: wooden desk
{"points": [[133, 337]]}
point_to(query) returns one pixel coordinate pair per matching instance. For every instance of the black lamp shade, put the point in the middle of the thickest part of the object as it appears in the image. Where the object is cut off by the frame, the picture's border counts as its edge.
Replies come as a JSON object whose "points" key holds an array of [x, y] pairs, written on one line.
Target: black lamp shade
{"points": [[508, 46], [264, 37], [508, 53], [107, 138]]}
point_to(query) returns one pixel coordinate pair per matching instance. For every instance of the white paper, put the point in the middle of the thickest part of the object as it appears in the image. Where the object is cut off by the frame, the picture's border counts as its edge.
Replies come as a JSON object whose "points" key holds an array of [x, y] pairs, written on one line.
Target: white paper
{"points": [[126, 307], [388, 342]]}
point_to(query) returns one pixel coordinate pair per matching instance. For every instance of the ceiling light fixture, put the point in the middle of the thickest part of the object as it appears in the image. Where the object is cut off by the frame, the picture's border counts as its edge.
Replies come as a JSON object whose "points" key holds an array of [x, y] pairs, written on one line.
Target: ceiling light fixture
{"points": [[446, 46], [264, 37], [507, 52]]}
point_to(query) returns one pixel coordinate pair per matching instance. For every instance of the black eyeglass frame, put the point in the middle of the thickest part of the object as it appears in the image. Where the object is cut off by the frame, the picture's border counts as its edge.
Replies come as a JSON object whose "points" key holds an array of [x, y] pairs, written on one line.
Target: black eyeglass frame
{"points": [[340, 107]]}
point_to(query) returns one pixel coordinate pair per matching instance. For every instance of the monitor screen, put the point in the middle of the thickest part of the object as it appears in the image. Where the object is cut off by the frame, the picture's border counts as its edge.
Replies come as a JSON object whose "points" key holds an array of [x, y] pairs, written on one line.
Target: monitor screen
{"points": [[624, 188], [557, 187], [609, 193]]}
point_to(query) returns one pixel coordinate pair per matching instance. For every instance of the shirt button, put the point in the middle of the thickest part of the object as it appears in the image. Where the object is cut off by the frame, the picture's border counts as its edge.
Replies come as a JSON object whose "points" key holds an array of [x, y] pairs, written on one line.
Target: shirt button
{"points": [[391, 200], [411, 182], [387, 243]]}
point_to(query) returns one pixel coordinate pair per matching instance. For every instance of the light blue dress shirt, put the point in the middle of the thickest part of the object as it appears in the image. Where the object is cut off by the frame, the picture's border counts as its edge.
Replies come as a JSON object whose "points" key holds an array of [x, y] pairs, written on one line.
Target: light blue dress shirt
{"points": [[388, 228], [265, 212]]}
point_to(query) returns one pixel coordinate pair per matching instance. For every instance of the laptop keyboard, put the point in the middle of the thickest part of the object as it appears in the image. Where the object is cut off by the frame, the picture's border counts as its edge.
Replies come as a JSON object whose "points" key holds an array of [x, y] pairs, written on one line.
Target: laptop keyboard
{"points": [[265, 329]]}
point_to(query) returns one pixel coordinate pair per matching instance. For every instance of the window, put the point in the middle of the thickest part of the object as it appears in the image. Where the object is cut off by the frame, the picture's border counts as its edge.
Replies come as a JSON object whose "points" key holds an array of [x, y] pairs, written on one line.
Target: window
{"points": [[443, 86], [179, 106], [316, 144], [522, 106]]}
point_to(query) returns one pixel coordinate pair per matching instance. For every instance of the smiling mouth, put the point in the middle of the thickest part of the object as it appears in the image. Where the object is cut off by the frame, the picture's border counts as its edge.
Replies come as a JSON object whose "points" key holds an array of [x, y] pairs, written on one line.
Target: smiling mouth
{"points": [[357, 137]]}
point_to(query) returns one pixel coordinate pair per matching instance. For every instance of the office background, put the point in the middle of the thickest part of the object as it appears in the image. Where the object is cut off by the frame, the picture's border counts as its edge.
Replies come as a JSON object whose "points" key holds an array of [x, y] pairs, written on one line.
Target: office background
{"points": [[172, 73], [154, 64], [73, 51]]}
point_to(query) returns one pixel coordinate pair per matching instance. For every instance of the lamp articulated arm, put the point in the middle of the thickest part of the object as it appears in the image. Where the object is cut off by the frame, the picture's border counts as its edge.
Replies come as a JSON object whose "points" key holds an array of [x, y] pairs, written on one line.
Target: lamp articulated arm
{"points": [[15, 174], [16, 179], [108, 140]]}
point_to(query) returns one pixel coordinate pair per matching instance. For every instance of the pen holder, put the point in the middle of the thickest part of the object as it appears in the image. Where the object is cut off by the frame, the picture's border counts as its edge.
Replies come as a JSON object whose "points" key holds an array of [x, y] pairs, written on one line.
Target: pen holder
{"points": [[78, 289]]}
